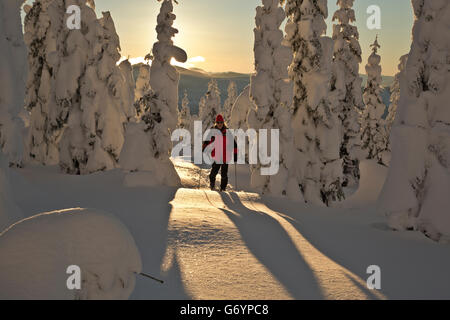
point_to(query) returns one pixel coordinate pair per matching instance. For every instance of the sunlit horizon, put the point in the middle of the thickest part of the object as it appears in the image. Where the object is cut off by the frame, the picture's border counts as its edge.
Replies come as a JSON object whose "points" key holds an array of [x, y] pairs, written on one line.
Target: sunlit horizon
{"points": [[189, 64], [221, 32]]}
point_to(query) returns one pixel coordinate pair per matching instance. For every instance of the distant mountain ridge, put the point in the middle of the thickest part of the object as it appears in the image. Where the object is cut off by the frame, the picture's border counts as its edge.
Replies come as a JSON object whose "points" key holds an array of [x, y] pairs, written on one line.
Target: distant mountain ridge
{"points": [[195, 82]]}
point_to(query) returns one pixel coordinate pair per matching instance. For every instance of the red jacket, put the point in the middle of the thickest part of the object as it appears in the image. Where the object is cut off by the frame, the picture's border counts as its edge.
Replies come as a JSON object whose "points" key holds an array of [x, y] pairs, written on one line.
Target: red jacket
{"points": [[225, 147]]}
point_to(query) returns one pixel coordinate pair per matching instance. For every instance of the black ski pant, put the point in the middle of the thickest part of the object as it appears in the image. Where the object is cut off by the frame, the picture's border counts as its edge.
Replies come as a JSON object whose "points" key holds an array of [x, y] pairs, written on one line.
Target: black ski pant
{"points": [[223, 172]]}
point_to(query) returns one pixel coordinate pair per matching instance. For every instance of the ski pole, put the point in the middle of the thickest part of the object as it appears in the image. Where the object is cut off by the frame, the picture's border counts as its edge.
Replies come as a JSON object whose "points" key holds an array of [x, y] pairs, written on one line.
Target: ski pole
{"points": [[150, 277], [235, 176], [200, 178]]}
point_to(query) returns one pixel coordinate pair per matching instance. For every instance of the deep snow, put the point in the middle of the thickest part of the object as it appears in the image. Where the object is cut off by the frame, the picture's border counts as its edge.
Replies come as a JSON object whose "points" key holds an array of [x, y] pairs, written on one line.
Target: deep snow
{"points": [[239, 245], [37, 254]]}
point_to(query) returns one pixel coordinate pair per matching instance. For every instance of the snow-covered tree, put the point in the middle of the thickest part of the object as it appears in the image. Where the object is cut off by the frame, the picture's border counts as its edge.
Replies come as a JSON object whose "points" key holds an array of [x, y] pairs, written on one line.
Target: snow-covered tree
{"points": [[395, 93], [184, 116], [241, 110], [128, 89], [94, 135], [272, 92], [416, 192], [210, 105], [44, 28], [347, 87], [12, 81], [147, 144], [142, 83], [74, 88], [373, 127], [230, 100], [316, 125]]}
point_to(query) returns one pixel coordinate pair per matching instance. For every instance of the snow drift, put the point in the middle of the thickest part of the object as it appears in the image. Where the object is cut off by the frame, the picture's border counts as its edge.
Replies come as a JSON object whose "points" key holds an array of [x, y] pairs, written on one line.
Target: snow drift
{"points": [[37, 251]]}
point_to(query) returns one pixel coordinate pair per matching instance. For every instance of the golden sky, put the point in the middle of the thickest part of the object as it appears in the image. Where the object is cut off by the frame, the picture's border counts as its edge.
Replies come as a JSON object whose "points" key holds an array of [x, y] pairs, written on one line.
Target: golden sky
{"points": [[218, 34]]}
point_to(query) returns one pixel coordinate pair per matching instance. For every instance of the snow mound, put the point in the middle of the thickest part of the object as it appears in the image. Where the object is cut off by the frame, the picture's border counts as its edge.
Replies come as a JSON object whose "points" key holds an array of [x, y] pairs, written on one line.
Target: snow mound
{"points": [[137, 159], [37, 251]]}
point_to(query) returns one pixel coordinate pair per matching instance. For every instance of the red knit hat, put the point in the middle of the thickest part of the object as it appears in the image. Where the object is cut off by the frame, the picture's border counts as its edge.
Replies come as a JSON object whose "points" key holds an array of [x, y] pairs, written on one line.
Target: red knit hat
{"points": [[219, 118]]}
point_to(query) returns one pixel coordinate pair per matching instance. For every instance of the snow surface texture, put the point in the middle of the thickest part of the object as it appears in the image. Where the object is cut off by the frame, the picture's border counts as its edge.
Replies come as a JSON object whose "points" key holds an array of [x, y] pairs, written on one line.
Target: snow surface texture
{"points": [[316, 124], [210, 106], [271, 92], [37, 251], [374, 137], [249, 246], [347, 87], [78, 96], [148, 143], [12, 79], [416, 193]]}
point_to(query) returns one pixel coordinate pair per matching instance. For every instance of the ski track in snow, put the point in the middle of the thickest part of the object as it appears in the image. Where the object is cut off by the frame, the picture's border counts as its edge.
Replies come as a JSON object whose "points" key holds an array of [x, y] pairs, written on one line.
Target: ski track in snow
{"points": [[216, 248], [240, 245]]}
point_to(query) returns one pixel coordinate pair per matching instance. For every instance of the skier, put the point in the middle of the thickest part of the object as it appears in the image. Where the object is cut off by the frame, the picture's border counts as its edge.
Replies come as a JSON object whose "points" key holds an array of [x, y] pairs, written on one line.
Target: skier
{"points": [[221, 153]]}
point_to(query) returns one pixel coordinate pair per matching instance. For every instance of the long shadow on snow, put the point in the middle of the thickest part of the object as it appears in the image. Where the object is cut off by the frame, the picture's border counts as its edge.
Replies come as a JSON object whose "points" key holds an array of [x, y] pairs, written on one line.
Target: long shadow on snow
{"points": [[330, 240], [361, 246], [145, 211], [271, 245]]}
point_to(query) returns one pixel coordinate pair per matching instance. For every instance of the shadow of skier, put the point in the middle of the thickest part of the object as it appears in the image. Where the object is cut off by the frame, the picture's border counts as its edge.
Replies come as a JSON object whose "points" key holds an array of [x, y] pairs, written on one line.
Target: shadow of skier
{"points": [[271, 245]]}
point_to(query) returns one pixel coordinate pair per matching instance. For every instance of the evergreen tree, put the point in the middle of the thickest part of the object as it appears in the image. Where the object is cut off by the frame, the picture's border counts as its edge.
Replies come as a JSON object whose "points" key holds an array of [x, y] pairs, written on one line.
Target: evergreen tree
{"points": [[373, 132], [316, 125], [271, 92], [416, 192], [94, 134], [231, 99], [395, 93], [347, 86], [184, 117], [44, 29], [74, 88], [148, 143], [142, 83], [128, 89], [210, 105], [241, 110]]}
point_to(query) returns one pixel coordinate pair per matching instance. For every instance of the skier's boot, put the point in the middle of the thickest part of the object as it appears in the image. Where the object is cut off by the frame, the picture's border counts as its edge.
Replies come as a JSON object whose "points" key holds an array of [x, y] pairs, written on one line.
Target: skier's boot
{"points": [[212, 186], [223, 185]]}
